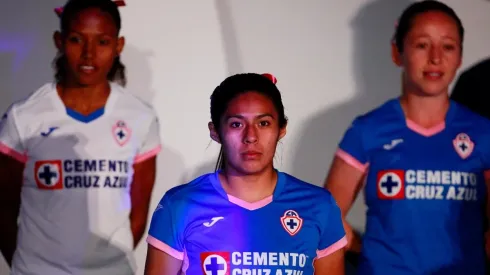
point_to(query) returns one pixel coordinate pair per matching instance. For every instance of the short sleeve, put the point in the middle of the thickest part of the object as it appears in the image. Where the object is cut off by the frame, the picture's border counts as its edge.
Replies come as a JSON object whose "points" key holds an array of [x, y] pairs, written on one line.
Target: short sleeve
{"points": [[151, 145], [166, 229], [351, 148], [10, 140], [333, 235]]}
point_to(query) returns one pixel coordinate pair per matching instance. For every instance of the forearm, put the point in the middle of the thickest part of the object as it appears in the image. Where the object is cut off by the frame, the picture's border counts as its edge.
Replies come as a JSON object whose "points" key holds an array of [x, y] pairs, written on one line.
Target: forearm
{"points": [[8, 239], [138, 226], [353, 238]]}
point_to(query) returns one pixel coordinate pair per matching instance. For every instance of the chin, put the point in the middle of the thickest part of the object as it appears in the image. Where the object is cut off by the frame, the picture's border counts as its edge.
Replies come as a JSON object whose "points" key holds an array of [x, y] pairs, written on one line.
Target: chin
{"points": [[250, 168]]}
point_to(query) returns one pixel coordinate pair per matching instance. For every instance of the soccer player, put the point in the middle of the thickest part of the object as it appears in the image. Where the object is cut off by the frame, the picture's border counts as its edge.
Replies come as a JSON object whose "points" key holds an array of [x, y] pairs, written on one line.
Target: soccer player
{"points": [[421, 160], [83, 149], [247, 217]]}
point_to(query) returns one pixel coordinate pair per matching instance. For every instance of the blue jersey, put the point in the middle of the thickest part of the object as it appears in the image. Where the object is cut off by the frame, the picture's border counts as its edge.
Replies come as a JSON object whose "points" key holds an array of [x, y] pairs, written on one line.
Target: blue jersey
{"points": [[217, 234], [425, 190]]}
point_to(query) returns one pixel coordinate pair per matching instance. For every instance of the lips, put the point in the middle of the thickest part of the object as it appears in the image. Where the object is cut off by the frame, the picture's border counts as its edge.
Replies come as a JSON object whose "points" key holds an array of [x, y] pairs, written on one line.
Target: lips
{"points": [[250, 155], [433, 75], [87, 69]]}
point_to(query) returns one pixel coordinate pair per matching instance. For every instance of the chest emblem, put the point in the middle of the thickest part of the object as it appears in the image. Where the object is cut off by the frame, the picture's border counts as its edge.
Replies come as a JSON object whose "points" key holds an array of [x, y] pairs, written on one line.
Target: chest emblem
{"points": [[121, 132], [463, 145], [291, 222]]}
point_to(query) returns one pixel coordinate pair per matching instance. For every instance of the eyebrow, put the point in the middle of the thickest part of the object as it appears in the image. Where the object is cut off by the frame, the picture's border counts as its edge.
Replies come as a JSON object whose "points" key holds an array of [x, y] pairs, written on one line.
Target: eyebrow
{"points": [[243, 117]]}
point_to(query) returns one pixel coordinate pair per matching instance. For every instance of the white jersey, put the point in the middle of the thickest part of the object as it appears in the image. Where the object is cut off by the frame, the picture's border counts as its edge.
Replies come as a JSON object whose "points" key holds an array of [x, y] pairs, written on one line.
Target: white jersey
{"points": [[74, 216]]}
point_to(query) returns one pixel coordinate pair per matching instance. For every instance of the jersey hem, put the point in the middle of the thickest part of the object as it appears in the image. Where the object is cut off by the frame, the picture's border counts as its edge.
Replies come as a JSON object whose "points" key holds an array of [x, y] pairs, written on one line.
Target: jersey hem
{"points": [[331, 249], [165, 248]]}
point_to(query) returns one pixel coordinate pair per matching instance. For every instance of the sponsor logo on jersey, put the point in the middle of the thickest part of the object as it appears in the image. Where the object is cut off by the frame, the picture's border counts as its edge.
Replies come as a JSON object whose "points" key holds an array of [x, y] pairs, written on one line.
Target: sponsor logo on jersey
{"points": [[260, 263], [291, 222], [463, 145], [121, 132], [81, 173], [427, 185]]}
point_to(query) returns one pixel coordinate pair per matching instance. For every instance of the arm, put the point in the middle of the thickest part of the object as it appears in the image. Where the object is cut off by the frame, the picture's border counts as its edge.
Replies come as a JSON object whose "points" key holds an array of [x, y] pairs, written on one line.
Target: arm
{"points": [[144, 178], [332, 264], [12, 159], [344, 182], [141, 189], [10, 188], [487, 234], [159, 262]]}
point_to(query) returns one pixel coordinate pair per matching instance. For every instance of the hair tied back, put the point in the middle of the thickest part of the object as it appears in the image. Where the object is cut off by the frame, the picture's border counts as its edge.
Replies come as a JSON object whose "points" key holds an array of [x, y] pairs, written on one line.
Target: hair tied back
{"points": [[270, 77], [119, 3]]}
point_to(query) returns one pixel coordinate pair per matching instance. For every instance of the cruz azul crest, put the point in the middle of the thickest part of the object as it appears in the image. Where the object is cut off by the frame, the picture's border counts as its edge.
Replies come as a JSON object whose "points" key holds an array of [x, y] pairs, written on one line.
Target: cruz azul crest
{"points": [[463, 145], [121, 132], [291, 222]]}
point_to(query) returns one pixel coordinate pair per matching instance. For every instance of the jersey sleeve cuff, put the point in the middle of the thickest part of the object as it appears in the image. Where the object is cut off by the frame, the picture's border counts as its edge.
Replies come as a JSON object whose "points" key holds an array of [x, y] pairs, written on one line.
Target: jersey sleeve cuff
{"points": [[12, 153], [352, 161], [331, 249], [165, 248], [148, 154]]}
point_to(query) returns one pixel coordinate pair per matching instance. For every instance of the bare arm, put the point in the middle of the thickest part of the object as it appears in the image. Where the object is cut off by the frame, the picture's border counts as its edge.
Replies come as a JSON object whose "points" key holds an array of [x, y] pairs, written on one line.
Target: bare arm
{"points": [[141, 189], [159, 262], [332, 264], [10, 189], [344, 182], [487, 234]]}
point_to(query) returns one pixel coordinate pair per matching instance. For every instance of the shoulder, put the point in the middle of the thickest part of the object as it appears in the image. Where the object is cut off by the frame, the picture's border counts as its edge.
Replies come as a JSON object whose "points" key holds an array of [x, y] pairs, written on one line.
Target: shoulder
{"points": [[382, 114], [41, 100], [182, 195], [466, 116], [130, 102], [316, 195]]}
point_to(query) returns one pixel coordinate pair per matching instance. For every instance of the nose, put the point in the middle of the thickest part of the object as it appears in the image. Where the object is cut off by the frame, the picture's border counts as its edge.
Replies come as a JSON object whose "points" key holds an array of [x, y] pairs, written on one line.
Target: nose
{"points": [[435, 55], [250, 135], [88, 49]]}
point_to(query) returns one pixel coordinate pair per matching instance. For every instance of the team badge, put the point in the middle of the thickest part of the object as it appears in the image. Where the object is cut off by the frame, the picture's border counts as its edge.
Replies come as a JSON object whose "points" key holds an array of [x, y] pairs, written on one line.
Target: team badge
{"points": [[215, 263], [463, 145], [48, 174], [291, 222], [121, 132], [391, 185]]}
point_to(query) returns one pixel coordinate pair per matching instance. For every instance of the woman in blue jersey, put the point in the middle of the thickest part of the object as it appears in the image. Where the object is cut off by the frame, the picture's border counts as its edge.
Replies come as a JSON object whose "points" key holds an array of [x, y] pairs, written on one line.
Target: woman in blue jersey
{"points": [[247, 217], [420, 158], [78, 156]]}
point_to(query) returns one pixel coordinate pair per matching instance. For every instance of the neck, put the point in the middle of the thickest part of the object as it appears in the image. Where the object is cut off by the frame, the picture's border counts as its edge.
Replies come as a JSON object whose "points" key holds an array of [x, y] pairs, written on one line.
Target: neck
{"points": [[84, 99], [249, 188], [426, 111]]}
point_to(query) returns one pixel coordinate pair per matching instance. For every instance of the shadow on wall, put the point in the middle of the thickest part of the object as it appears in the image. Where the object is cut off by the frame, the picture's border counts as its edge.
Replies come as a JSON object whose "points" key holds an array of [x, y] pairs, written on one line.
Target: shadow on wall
{"points": [[472, 88], [377, 80], [26, 52], [138, 73], [26, 48]]}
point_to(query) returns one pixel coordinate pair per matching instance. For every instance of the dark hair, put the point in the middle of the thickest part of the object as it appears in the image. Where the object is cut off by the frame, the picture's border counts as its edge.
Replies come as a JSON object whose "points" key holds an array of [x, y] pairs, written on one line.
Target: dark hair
{"points": [[71, 8], [236, 85], [408, 15]]}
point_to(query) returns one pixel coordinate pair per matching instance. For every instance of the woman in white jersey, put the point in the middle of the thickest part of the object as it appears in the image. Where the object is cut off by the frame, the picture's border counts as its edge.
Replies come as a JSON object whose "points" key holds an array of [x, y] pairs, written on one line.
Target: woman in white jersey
{"points": [[80, 156]]}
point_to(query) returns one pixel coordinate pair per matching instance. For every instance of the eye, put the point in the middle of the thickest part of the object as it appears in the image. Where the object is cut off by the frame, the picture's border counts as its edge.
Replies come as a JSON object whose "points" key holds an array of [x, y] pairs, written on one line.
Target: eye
{"points": [[264, 123], [421, 45], [449, 47], [104, 42], [235, 124], [74, 39]]}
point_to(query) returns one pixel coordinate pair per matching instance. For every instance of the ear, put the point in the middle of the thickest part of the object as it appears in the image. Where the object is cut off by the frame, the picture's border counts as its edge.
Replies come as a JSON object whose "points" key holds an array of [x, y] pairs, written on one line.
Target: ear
{"points": [[213, 133], [282, 132], [395, 54], [121, 41], [58, 40]]}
